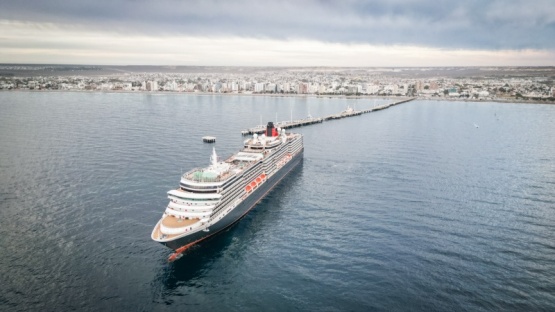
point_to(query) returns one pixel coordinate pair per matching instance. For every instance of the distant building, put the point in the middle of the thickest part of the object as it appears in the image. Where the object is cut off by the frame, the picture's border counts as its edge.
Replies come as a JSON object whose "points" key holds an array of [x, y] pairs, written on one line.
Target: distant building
{"points": [[483, 93], [270, 87], [453, 92], [287, 87], [391, 89], [170, 86], [259, 87], [152, 85], [419, 85], [217, 87], [372, 89], [234, 86], [303, 88]]}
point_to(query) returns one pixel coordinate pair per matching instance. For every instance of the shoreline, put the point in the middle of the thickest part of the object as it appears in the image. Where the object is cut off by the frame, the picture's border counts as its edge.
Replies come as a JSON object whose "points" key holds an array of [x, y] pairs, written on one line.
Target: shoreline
{"points": [[337, 96]]}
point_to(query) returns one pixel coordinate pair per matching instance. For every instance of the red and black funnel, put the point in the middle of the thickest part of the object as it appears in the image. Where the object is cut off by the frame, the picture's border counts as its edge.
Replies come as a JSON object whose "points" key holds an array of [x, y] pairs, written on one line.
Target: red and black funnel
{"points": [[271, 131]]}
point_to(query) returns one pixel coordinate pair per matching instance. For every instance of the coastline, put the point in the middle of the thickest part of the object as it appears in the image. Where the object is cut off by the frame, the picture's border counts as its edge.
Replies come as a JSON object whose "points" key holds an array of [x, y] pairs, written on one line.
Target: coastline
{"points": [[339, 96]]}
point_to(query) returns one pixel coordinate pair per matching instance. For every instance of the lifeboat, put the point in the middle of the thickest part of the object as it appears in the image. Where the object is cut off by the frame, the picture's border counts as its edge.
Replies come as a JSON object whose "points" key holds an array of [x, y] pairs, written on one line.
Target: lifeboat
{"points": [[263, 176], [248, 188], [258, 180]]}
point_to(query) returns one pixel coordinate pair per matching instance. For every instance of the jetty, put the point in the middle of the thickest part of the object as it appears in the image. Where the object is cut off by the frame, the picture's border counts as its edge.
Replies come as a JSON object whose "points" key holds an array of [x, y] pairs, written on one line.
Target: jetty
{"points": [[284, 125], [349, 112]]}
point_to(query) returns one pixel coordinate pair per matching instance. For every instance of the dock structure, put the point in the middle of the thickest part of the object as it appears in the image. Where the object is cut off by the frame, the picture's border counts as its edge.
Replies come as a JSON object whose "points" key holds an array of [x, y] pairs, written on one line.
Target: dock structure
{"points": [[284, 125], [349, 112], [209, 139]]}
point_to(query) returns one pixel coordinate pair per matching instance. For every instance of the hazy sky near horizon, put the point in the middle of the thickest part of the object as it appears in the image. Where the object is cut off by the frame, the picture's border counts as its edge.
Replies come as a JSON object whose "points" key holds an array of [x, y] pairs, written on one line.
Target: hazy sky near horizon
{"points": [[279, 33]]}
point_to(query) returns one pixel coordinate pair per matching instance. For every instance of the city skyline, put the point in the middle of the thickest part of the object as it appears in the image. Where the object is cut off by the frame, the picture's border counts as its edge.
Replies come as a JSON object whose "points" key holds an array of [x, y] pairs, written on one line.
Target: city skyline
{"points": [[279, 33]]}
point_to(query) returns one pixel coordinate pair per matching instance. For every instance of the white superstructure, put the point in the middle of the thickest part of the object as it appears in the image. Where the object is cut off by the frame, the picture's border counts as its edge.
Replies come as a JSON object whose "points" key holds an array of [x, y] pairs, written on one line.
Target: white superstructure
{"points": [[207, 195]]}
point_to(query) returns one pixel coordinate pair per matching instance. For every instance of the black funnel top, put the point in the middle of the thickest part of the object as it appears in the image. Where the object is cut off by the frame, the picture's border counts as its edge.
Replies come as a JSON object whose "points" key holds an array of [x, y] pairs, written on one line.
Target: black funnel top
{"points": [[270, 130]]}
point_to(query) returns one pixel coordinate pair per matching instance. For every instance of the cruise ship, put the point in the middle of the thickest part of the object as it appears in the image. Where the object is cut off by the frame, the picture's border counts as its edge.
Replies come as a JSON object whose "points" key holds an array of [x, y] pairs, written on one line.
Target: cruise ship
{"points": [[213, 198]]}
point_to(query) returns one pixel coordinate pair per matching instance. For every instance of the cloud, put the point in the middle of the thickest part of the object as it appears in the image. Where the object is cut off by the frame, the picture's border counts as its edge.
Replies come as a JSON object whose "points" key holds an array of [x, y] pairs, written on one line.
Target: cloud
{"points": [[472, 24], [52, 43]]}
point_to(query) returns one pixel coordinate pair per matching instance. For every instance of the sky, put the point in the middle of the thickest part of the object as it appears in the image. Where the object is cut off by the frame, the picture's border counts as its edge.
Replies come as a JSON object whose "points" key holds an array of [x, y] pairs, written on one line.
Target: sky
{"points": [[279, 33]]}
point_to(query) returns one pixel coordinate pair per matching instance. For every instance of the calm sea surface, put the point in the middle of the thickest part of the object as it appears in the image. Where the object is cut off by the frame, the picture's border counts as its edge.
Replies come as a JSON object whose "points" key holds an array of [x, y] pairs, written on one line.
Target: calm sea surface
{"points": [[410, 208]]}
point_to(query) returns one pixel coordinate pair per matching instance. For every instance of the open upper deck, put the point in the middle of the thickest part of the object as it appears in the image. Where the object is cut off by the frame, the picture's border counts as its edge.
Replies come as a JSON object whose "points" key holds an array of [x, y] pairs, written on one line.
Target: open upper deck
{"points": [[218, 172], [254, 150]]}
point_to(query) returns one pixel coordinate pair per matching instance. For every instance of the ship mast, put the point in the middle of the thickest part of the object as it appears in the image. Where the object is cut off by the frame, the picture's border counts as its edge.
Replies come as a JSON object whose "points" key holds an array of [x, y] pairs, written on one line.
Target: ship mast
{"points": [[214, 157]]}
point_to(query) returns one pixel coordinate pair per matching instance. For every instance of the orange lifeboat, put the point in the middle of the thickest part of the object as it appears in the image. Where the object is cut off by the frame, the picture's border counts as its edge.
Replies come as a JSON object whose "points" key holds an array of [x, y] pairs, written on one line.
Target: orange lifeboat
{"points": [[248, 188], [258, 180], [263, 176], [253, 184]]}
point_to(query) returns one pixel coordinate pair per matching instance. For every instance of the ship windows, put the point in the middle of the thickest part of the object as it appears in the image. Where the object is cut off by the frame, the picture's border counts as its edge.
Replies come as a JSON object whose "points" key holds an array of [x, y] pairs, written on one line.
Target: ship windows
{"points": [[199, 187], [196, 199], [198, 191]]}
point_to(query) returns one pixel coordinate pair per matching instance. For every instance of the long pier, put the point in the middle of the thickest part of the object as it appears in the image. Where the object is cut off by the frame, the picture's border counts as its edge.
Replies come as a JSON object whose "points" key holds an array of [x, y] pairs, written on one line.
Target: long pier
{"points": [[349, 112], [284, 125]]}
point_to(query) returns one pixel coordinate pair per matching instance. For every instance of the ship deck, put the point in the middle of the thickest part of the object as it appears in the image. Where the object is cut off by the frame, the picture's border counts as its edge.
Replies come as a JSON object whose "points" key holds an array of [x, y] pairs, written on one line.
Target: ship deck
{"points": [[173, 222]]}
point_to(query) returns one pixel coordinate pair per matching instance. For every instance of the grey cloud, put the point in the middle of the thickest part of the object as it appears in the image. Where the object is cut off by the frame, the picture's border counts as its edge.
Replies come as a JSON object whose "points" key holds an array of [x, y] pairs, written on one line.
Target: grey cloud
{"points": [[496, 24]]}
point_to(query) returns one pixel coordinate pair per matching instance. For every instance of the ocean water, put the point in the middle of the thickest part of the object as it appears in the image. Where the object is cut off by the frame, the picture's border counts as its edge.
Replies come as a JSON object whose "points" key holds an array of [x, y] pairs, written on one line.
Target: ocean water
{"points": [[426, 206]]}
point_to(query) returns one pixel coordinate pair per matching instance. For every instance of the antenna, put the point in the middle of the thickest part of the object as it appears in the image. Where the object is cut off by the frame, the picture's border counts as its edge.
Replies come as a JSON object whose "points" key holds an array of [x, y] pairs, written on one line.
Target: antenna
{"points": [[214, 157]]}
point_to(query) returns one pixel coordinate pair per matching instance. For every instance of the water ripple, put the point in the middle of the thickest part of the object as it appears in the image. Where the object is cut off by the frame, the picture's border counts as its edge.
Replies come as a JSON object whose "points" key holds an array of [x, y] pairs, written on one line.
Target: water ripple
{"points": [[411, 208]]}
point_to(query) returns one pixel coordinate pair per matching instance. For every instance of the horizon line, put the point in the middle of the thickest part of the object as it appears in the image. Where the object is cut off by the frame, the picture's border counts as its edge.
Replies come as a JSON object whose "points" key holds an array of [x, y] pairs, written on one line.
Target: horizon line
{"points": [[284, 66]]}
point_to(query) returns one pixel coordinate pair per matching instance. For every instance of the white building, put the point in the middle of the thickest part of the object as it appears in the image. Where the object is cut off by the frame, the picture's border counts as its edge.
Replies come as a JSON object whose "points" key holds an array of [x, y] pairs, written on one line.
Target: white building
{"points": [[170, 86], [234, 87], [391, 89], [287, 87], [259, 87], [372, 89]]}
